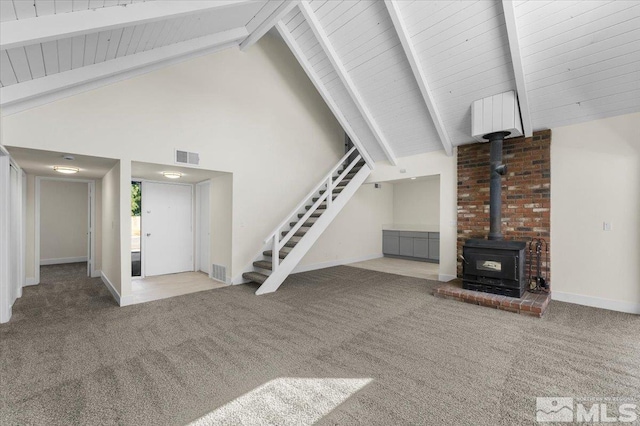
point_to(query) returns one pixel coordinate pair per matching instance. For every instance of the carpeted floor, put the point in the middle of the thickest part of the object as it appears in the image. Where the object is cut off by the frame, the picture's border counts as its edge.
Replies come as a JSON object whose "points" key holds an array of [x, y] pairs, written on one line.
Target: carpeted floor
{"points": [[71, 356]]}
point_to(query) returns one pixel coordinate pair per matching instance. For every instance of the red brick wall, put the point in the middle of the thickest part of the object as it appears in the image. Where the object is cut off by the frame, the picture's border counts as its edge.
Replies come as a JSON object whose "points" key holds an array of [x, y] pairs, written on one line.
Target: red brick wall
{"points": [[526, 190]]}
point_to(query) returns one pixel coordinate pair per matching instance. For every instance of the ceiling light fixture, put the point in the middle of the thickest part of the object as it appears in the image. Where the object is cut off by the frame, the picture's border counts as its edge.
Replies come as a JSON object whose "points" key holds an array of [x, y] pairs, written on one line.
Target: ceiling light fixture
{"points": [[413, 178], [172, 175], [66, 170]]}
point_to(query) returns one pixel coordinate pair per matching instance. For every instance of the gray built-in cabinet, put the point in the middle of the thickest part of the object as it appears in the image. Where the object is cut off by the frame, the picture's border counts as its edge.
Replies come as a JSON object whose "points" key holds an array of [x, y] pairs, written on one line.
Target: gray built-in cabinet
{"points": [[423, 246]]}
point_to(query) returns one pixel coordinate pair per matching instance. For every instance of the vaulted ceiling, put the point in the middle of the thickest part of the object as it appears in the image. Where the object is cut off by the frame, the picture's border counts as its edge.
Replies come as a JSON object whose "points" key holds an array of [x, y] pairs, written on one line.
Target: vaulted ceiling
{"points": [[400, 76]]}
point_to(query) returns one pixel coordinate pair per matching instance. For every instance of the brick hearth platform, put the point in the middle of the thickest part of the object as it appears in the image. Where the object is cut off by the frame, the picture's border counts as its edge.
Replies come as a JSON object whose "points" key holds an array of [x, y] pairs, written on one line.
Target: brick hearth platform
{"points": [[530, 304]]}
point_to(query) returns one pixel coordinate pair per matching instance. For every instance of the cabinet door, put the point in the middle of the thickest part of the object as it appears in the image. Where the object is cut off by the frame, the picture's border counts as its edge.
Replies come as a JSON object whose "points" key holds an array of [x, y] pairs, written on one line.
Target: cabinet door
{"points": [[421, 248], [406, 246], [434, 249], [390, 244]]}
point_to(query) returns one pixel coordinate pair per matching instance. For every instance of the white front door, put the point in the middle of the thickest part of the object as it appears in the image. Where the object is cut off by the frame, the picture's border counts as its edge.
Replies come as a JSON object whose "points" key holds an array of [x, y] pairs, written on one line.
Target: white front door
{"points": [[167, 217], [204, 227]]}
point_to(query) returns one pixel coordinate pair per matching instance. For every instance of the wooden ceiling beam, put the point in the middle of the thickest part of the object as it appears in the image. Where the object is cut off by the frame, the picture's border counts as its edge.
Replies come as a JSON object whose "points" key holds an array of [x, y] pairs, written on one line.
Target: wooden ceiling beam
{"points": [[518, 68], [18, 97], [285, 7], [24, 32], [348, 83], [324, 92], [419, 74]]}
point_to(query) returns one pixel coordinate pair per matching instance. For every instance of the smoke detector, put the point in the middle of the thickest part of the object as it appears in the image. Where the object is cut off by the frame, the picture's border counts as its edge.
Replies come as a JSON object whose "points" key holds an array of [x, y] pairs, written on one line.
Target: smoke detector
{"points": [[497, 113]]}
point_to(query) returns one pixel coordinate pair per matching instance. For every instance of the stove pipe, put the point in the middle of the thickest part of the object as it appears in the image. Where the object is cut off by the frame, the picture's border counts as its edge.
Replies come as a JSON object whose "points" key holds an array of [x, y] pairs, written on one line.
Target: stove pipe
{"points": [[497, 171]]}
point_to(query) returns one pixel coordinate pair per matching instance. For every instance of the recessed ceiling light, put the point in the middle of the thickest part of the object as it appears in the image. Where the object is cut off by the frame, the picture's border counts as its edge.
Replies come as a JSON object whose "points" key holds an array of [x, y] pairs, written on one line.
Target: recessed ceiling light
{"points": [[413, 178], [66, 170], [172, 175]]}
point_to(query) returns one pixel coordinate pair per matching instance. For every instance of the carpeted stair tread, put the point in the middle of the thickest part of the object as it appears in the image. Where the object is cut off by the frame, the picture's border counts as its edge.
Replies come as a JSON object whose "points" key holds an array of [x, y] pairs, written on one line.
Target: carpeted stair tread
{"points": [[315, 214], [322, 206], [263, 264], [317, 198], [292, 242], [299, 233], [256, 277], [281, 254], [336, 190], [310, 221]]}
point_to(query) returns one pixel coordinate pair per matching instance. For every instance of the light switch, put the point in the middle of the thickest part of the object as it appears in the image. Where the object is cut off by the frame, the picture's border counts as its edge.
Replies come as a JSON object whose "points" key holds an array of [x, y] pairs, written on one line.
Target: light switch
{"points": [[607, 226]]}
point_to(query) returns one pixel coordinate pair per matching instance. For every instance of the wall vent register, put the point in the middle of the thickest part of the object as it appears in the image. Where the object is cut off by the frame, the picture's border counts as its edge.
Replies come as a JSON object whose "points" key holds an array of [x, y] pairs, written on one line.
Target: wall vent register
{"points": [[186, 157]]}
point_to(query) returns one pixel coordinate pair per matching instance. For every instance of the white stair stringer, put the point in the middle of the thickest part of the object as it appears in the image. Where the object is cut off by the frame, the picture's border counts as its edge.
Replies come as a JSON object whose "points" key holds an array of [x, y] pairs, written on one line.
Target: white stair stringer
{"points": [[286, 266]]}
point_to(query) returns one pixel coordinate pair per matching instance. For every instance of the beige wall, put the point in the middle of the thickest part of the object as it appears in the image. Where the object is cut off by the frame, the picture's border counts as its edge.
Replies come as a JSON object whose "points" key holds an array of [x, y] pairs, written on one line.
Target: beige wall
{"points": [[64, 221], [417, 202], [595, 177], [356, 233], [111, 242], [254, 114]]}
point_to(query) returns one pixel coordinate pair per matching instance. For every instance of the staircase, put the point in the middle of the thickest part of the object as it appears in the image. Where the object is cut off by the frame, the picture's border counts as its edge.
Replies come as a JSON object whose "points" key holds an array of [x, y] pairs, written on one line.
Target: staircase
{"points": [[296, 234]]}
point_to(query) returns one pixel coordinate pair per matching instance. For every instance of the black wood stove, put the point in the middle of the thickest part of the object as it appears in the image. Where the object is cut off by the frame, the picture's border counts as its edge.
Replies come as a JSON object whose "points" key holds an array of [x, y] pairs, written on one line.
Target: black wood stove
{"points": [[495, 265]]}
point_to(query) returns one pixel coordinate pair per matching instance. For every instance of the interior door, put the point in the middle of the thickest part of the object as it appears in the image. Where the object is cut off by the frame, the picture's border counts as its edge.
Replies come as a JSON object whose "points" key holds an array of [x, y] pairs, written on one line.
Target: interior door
{"points": [[167, 216], [204, 227]]}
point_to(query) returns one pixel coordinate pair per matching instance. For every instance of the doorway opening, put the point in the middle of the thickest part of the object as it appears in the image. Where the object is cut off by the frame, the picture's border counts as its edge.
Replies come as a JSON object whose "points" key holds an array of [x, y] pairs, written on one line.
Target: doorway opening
{"points": [[411, 242], [171, 231], [65, 222], [136, 205]]}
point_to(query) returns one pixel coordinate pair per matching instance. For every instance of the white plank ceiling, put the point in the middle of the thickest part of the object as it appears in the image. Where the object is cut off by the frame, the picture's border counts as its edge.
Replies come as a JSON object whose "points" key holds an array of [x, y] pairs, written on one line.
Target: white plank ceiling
{"points": [[38, 60], [579, 60]]}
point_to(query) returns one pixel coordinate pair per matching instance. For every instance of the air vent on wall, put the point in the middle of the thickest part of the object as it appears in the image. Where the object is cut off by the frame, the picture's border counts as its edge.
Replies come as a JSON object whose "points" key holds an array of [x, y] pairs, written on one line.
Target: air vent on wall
{"points": [[219, 272], [185, 157]]}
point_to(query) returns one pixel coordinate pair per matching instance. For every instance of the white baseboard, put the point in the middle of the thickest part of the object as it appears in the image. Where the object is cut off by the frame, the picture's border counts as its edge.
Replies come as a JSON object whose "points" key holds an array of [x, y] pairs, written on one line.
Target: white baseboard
{"points": [[63, 260], [96, 274], [31, 281], [596, 302], [446, 278], [110, 287], [332, 263], [127, 300]]}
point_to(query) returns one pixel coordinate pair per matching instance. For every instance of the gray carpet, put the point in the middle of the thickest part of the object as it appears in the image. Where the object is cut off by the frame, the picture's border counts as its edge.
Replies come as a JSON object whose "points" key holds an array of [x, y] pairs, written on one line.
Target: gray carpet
{"points": [[70, 356]]}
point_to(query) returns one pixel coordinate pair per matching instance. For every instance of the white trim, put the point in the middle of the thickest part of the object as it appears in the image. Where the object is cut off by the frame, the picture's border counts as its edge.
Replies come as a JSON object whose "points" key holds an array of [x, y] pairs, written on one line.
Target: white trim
{"points": [[91, 249], [5, 245], [597, 302], [419, 74], [96, 274], [332, 263], [518, 68], [446, 278], [110, 287], [63, 260], [198, 225], [342, 72], [29, 281], [320, 87], [33, 93], [282, 11], [23, 32]]}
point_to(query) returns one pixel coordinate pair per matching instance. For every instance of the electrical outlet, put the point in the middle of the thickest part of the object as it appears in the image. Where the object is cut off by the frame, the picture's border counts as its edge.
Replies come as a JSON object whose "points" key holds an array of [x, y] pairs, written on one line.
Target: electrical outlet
{"points": [[607, 226]]}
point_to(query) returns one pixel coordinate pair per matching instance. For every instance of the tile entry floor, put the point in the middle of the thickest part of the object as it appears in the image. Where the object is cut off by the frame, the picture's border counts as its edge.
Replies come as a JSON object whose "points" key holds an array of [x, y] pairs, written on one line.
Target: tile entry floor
{"points": [[165, 286], [407, 268]]}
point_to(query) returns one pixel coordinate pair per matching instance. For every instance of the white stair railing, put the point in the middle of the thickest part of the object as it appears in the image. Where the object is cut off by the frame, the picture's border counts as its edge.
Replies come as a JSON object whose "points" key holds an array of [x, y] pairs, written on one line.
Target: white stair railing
{"points": [[329, 184]]}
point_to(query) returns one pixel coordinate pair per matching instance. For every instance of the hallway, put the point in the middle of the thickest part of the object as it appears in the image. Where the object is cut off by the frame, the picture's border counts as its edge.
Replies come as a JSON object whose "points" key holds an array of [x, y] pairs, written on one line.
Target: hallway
{"points": [[64, 290]]}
